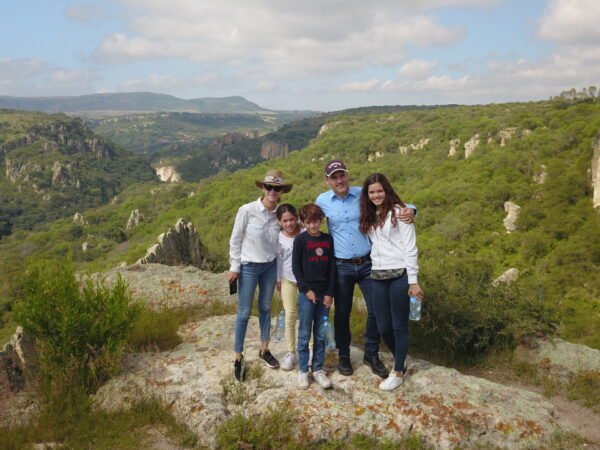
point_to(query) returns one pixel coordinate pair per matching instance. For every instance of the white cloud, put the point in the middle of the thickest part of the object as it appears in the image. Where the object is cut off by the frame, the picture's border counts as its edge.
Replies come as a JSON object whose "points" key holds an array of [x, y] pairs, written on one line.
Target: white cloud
{"points": [[572, 22], [416, 69], [86, 14], [361, 85], [274, 40]]}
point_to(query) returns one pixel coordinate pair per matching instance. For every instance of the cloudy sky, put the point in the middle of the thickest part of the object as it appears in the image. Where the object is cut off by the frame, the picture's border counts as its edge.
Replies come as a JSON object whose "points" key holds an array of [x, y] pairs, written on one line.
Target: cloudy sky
{"points": [[322, 55]]}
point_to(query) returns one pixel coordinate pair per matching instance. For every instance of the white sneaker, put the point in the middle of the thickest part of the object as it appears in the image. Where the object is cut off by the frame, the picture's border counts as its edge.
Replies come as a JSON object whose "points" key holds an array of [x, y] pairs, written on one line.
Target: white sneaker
{"points": [[289, 361], [392, 382], [321, 377], [302, 380]]}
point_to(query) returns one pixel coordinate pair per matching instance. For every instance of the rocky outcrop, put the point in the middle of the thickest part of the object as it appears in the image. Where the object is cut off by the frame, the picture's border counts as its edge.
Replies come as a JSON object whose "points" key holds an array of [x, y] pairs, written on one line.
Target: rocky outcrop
{"points": [[447, 408], [559, 358], [374, 156], [454, 143], [16, 171], [271, 149], [63, 174], [540, 177], [596, 173], [168, 174], [78, 219], [508, 277], [17, 360], [420, 145], [328, 126], [471, 145], [506, 134], [512, 214], [178, 246], [134, 219]]}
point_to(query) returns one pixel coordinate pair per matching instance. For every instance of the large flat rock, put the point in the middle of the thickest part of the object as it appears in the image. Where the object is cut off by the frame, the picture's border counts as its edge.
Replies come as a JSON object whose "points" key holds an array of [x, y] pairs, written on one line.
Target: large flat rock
{"points": [[444, 406]]}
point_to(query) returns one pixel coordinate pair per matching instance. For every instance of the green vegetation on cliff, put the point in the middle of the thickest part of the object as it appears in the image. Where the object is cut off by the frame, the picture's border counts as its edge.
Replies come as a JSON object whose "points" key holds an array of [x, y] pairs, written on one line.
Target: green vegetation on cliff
{"points": [[536, 155]]}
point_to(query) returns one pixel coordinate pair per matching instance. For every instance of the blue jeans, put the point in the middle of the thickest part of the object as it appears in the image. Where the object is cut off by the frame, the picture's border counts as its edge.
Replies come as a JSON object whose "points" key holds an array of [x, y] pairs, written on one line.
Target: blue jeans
{"points": [[311, 318], [348, 275], [263, 275], [390, 300]]}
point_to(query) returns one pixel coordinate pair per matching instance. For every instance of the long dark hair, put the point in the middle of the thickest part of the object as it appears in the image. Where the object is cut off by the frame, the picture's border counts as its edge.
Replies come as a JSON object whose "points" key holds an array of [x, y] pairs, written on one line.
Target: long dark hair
{"points": [[286, 207], [368, 211]]}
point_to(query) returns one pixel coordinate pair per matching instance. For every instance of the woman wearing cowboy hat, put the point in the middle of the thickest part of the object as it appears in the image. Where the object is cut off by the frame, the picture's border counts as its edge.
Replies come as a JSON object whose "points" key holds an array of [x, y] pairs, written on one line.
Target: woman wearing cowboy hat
{"points": [[252, 255]]}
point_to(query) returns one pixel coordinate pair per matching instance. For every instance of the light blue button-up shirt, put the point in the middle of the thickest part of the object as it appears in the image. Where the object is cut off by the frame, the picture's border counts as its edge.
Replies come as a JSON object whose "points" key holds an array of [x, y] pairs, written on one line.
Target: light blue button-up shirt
{"points": [[343, 219]]}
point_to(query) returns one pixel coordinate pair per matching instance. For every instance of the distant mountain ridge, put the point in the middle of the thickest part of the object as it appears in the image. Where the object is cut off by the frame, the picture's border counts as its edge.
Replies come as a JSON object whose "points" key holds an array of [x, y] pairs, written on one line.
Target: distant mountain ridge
{"points": [[131, 102]]}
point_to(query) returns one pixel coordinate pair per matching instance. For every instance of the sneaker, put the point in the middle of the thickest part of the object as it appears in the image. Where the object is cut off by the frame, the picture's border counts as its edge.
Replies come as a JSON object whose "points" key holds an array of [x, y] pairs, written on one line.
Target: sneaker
{"points": [[321, 377], [289, 361], [302, 380], [344, 366], [269, 359], [376, 365], [239, 369], [392, 382]]}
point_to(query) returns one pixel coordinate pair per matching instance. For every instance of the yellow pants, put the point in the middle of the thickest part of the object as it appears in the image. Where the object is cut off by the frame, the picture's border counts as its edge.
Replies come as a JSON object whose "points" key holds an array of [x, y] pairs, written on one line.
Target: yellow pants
{"points": [[289, 298]]}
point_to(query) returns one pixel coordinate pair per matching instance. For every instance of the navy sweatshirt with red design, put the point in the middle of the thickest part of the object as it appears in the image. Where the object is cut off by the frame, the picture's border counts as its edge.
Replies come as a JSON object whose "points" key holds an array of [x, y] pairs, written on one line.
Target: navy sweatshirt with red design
{"points": [[313, 264]]}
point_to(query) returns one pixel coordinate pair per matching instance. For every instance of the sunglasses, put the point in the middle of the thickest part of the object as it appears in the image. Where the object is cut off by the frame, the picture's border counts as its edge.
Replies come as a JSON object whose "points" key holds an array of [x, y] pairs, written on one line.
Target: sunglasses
{"points": [[270, 187]]}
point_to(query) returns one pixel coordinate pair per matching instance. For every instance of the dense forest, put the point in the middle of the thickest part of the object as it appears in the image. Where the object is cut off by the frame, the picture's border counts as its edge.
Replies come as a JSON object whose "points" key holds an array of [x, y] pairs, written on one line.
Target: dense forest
{"points": [[459, 165]]}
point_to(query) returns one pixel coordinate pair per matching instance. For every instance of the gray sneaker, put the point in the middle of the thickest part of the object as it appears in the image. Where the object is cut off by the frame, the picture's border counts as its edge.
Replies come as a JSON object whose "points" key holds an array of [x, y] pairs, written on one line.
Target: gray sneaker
{"points": [[289, 361], [321, 377]]}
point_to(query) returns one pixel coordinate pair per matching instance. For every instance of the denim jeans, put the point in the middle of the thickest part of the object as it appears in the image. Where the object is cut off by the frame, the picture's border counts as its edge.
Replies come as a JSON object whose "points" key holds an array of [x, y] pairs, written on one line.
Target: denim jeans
{"points": [[348, 275], [311, 318], [263, 275], [390, 301]]}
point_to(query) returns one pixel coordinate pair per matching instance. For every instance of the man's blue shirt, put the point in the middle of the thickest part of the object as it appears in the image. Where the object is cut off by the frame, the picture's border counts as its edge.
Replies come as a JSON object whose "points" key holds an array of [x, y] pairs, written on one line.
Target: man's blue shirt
{"points": [[343, 219]]}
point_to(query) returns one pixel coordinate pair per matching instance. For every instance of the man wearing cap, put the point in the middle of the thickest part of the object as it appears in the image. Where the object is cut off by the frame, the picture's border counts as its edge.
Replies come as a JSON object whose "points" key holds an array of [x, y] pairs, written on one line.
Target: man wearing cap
{"points": [[353, 261]]}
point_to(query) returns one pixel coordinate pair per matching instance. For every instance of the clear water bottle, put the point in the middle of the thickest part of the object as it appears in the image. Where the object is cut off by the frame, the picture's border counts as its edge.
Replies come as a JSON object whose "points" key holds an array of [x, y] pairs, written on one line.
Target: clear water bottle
{"points": [[328, 334], [280, 326], [415, 309]]}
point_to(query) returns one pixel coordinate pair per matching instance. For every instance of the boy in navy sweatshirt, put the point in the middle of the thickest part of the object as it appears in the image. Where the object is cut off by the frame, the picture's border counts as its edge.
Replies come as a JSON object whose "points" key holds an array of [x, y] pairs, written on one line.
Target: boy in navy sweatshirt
{"points": [[313, 265]]}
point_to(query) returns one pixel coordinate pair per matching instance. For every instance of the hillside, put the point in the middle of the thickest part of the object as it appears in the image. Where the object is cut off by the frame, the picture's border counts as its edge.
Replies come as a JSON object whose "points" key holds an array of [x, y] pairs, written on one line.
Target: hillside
{"points": [[459, 165], [129, 102], [52, 166]]}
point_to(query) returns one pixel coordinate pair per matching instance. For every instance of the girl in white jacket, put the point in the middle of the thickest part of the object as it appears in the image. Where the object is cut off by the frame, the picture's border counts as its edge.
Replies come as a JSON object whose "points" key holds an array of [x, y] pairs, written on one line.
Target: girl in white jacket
{"points": [[394, 268]]}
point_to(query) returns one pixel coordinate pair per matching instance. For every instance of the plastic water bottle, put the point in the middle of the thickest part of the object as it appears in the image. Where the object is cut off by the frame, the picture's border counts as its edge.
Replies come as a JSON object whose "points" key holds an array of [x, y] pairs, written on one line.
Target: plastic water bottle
{"points": [[280, 326], [415, 309], [328, 334]]}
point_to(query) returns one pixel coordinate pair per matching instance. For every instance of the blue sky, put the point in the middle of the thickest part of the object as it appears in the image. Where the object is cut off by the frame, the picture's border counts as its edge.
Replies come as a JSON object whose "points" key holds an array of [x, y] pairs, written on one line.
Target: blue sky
{"points": [[283, 54]]}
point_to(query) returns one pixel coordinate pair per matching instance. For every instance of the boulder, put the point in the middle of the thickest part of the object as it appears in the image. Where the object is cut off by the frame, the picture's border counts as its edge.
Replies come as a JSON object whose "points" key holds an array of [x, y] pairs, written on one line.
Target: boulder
{"points": [[512, 214], [508, 277], [78, 219], [134, 219], [447, 408], [454, 143], [168, 174], [471, 145], [271, 149], [178, 246]]}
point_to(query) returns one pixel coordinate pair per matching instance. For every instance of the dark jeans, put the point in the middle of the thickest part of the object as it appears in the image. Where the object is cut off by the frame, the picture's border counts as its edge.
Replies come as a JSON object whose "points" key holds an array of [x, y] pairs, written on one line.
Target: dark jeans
{"points": [[390, 301], [348, 275]]}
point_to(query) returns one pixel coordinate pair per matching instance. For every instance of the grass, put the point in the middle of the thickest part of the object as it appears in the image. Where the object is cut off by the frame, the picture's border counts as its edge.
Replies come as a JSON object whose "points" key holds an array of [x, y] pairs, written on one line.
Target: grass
{"points": [[276, 429], [75, 424]]}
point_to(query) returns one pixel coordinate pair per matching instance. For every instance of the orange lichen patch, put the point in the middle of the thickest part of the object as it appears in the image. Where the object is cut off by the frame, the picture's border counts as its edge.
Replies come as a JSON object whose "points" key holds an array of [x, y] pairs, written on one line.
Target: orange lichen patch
{"points": [[503, 427], [359, 410], [462, 404], [394, 426], [202, 291], [375, 431], [181, 289], [198, 407], [401, 403], [530, 428]]}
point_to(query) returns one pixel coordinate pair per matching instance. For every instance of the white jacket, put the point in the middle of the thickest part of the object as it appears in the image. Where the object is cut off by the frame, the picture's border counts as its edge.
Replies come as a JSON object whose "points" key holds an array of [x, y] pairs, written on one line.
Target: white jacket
{"points": [[395, 248]]}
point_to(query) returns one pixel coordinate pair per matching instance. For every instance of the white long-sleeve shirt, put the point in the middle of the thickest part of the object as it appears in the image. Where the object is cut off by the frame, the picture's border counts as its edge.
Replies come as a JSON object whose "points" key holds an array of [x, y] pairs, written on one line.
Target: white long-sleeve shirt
{"points": [[395, 248], [254, 236]]}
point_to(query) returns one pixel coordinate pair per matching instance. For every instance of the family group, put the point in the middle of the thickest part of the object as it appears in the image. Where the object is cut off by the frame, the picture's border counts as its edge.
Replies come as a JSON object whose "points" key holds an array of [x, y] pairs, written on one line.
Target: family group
{"points": [[370, 242]]}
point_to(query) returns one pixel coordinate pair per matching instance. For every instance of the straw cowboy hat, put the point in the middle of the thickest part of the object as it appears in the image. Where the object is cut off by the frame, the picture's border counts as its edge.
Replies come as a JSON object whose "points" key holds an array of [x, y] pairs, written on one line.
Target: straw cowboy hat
{"points": [[274, 177]]}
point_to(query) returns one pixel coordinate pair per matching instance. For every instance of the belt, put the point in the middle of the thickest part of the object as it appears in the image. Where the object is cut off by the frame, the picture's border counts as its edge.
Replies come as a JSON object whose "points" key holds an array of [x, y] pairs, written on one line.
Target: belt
{"points": [[356, 261]]}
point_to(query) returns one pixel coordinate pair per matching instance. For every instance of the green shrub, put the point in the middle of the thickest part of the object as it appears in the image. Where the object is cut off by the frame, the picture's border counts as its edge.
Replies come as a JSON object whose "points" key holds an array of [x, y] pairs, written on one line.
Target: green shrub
{"points": [[79, 332], [156, 330]]}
